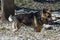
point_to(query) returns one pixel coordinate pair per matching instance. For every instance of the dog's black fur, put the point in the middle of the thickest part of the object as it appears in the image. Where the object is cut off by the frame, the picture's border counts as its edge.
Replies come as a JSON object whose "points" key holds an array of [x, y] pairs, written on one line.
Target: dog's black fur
{"points": [[28, 19]]}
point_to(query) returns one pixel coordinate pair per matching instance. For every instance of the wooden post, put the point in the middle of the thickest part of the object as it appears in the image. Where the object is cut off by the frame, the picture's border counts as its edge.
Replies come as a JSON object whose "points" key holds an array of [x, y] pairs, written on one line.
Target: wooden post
{"points": [[7, 7]]}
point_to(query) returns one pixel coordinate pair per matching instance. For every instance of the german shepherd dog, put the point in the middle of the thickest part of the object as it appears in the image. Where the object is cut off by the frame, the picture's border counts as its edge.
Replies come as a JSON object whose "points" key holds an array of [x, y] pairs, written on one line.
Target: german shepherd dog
{"points": [[36, 19]]}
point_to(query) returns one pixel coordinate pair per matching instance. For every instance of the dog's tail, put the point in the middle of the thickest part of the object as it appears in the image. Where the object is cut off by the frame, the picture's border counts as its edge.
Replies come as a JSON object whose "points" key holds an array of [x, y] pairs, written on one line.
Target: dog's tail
{"points": [[10, 18]]}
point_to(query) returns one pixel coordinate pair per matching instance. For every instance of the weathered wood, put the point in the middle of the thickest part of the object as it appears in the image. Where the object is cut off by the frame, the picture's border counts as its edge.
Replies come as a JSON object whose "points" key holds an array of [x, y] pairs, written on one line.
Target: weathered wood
{"points": [[7, 7]]}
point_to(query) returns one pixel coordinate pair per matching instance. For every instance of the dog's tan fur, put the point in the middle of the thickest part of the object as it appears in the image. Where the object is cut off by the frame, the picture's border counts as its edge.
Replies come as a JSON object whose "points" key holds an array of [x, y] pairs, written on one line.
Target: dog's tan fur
{"points": [[37, 25], [43, 19]]}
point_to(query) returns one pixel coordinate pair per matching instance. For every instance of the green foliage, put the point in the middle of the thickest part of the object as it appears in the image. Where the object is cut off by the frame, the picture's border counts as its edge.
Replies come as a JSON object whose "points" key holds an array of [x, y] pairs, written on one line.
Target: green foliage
{"points": [[3, 28]]}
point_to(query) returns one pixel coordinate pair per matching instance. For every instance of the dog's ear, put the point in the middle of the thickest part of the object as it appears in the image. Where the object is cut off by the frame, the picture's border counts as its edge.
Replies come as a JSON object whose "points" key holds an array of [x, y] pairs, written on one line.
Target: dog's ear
{"points": [[49, 9], [44, 10]]}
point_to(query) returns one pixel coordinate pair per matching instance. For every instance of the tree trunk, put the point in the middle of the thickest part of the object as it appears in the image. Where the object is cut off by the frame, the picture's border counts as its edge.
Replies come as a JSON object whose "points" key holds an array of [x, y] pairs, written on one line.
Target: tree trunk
{"points": [[7, 7]]}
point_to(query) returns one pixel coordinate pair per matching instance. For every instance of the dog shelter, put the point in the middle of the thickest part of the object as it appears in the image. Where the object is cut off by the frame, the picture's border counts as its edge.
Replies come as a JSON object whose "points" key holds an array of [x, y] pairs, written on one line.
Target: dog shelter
{"points": [[7, 8]]}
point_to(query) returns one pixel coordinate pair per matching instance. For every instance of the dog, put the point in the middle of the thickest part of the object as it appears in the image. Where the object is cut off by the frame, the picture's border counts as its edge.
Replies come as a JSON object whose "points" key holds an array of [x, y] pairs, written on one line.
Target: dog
{"points": [[36, 19]]}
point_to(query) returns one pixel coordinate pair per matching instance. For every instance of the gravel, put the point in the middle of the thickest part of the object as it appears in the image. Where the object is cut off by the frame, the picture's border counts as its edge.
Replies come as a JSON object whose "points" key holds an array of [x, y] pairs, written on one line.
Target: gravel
{"points": [[28, 33]]}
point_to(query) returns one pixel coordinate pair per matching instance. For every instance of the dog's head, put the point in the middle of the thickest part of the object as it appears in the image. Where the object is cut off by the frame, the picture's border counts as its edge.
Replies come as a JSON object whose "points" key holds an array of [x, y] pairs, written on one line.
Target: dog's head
{"points": [[46, 14]]}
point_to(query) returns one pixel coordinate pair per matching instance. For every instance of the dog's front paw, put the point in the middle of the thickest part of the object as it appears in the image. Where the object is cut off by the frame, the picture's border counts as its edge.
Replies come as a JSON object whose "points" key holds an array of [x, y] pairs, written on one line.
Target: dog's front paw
{"points": [[37, 29]]}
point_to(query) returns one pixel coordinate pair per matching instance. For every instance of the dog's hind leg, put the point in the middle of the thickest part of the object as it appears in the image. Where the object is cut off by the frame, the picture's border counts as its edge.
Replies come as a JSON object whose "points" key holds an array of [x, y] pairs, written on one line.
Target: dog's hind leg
{"points": [[18, 26], [14, 26]]}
